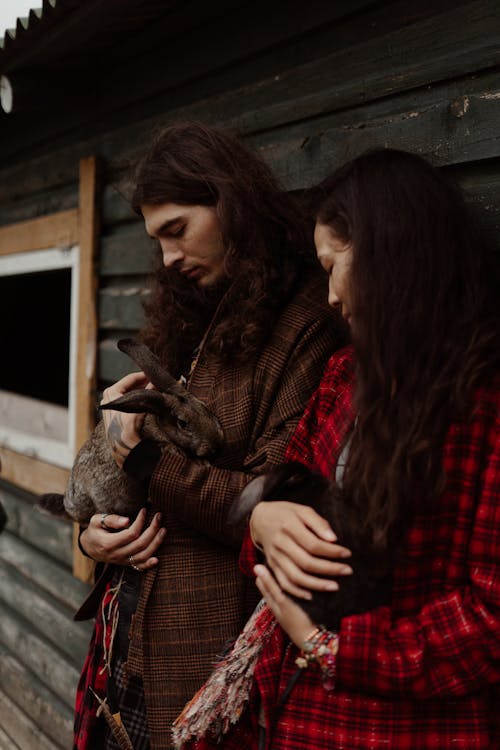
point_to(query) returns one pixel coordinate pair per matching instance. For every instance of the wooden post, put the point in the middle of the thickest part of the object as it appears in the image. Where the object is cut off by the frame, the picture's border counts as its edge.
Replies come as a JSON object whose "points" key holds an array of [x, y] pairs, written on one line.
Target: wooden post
{"points": [[89, 225]]}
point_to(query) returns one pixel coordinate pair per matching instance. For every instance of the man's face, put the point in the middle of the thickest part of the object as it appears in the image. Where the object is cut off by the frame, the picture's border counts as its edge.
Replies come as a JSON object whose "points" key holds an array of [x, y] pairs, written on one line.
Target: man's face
{"points": [[190, 239]]}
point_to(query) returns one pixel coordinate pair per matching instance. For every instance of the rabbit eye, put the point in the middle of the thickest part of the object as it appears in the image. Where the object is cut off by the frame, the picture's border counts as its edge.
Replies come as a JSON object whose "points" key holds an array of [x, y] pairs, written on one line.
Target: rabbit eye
{"points": [[181, 424]]}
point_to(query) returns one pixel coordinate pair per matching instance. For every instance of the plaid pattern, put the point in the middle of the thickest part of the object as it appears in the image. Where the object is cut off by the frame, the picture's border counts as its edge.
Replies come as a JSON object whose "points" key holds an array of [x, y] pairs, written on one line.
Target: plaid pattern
{"points": [[196, 599], [129, 696], [425, 672], [88, 730]]}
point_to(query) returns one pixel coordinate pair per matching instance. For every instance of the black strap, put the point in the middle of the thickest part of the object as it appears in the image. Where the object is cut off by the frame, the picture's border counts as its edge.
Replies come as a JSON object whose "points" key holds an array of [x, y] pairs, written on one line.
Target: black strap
{"points": [[279, 708]]}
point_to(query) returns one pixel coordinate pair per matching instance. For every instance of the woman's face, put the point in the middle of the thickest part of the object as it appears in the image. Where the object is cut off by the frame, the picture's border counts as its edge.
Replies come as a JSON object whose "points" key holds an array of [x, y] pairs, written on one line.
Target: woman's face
{"points": [[335, 255], [190, 239]]}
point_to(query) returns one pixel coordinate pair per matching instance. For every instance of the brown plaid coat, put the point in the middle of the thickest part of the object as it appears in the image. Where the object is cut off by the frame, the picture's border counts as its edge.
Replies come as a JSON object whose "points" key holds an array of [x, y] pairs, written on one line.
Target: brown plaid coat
{"points": [[196, 599]]}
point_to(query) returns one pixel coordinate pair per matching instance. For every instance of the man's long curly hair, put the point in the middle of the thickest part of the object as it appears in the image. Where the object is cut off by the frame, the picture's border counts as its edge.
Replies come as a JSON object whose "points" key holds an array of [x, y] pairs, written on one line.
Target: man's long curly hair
{"points": [[266, 243], [425, 328]]}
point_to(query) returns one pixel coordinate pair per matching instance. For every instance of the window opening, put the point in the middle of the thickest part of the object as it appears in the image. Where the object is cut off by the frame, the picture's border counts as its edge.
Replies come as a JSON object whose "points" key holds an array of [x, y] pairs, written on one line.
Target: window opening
{"points": [[35, 337]]}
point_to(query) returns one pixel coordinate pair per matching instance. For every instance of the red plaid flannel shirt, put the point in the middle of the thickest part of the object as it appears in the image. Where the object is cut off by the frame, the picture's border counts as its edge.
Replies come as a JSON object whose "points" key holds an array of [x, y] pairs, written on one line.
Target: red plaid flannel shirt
{"points": [[424, 672]]}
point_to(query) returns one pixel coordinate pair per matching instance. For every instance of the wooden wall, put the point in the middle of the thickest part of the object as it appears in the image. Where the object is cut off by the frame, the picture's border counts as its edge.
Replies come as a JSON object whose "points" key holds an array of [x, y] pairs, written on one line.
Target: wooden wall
{"points": [[308, 87], [41, 648]]}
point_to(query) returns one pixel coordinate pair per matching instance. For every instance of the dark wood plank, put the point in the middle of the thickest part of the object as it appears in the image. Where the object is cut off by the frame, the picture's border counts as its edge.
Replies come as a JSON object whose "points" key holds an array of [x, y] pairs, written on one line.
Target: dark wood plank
{"points": [[38, 655], [360, 76], [451, 124], [220, 43], [30, 526], [126, 250], [120, 305], [21, 209], [6, 742], [42, 571], [20, 726], [115, 205], [113, 365], [442, 47], [52, 620], [48, 713]]}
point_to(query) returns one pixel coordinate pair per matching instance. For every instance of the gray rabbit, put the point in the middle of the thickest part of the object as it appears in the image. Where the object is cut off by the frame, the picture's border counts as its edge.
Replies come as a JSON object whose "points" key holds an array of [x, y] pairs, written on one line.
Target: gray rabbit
{"points": [[3, 514], [175, 419]]}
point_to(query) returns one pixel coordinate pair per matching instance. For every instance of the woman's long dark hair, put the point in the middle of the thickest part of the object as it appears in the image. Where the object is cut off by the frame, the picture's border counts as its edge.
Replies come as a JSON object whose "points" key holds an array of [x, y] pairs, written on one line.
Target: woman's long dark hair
{"points": [[425, 328], [265, 238]]}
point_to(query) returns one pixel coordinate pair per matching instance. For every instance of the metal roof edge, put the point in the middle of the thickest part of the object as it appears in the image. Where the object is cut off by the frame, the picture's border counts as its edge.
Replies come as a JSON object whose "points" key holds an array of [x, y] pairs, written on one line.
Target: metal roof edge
{"points": [[25, 25]]}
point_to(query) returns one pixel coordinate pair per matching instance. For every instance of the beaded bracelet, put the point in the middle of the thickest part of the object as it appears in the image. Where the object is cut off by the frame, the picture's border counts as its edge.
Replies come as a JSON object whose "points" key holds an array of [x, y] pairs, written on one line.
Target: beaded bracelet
{"points": [[321, 647]]}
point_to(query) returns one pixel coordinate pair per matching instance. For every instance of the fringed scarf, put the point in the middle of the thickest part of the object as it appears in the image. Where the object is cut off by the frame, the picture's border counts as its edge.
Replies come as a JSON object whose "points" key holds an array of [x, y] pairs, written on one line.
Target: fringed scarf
{"points": [[220, 702]]}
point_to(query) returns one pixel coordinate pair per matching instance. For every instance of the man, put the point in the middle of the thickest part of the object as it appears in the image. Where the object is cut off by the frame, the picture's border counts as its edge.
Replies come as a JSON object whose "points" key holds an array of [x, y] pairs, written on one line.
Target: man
{"points": [[239, 312]]}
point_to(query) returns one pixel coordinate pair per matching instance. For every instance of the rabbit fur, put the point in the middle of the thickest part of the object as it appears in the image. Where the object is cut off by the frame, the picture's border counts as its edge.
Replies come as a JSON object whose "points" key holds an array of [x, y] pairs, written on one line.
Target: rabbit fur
{"points": [[175, 419], [3, 514], [370, 584], [3, 517]]}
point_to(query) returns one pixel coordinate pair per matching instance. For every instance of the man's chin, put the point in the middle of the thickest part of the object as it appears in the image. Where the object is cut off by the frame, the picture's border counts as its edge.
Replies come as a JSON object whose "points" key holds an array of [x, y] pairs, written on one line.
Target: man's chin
{"points": [[212, 283]]}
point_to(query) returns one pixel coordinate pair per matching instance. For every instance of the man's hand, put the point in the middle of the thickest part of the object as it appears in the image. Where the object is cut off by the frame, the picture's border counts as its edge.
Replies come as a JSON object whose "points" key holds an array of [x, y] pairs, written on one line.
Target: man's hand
{"points": [[120, 540], [123, 430]]}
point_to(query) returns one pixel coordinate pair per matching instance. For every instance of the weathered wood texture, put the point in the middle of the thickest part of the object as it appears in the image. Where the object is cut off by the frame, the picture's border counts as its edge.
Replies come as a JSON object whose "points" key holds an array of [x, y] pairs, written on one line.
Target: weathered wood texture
{"points": [[58, 230], [86, 345], [41, 647], [21, 726], [31, 473], [30, 526], [47, 712]]}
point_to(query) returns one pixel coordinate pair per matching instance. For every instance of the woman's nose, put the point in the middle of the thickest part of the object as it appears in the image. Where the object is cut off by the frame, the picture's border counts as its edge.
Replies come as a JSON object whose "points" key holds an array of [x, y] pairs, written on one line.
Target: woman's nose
{"points": [[333, 298]]}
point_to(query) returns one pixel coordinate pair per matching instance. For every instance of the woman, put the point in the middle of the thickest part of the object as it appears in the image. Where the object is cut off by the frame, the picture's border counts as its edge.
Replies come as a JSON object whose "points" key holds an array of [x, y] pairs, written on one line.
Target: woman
{"points": [[412, 411], [238, 313]]}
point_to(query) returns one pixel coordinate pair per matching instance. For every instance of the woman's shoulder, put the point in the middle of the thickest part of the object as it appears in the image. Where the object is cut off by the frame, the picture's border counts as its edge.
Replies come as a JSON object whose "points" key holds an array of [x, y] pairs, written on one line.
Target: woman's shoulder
{"points": [[339, 368], [486, 399]]}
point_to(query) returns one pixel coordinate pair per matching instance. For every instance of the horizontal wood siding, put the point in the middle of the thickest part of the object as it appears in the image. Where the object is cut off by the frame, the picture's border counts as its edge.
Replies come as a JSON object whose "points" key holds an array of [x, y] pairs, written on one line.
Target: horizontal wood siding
{"points": [[307, 90], [41, 648]]}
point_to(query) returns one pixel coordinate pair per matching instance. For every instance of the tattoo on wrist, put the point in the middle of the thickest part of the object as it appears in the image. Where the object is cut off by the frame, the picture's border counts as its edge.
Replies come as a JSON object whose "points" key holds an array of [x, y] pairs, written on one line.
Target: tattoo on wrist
{"points": [[114, 434]]}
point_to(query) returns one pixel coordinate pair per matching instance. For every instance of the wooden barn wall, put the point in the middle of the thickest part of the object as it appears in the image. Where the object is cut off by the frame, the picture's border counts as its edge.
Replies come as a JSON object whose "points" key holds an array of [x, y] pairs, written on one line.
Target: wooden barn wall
{"points": [[307, 93], [41, 648]]}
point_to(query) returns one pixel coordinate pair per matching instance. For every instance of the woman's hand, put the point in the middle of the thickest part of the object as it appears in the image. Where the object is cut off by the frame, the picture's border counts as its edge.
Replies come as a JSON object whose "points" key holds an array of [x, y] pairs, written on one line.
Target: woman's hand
{"points": [[290, 616], [123, 430], [299, 545], [119, 541]]}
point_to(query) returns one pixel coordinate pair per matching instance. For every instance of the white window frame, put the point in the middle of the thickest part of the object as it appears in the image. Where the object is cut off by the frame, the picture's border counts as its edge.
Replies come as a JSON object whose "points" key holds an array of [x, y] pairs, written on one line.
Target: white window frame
{"points": [[74, 232], [56, 452]]}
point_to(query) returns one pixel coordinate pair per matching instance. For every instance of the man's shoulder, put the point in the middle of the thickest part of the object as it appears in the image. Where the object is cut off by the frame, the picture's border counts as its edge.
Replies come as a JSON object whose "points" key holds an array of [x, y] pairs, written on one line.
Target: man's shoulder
{"points": [[310, 297], [311, 281]]}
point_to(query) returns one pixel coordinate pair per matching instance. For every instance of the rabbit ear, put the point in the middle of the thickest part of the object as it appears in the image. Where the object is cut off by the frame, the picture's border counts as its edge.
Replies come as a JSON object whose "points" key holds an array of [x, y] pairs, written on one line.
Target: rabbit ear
{"points": [[265, 486], [150, 365], [138, 401], [247, 500]]}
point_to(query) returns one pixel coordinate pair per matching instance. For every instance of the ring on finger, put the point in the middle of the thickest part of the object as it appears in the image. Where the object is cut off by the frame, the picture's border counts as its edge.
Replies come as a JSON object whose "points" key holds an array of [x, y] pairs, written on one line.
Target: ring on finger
{"points": [[132, 563], [103, 521]]}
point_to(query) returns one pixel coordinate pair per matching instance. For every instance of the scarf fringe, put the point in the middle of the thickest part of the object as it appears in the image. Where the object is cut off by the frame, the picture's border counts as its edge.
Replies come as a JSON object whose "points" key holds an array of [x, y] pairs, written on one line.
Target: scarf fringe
{"points": [[222, 699]]}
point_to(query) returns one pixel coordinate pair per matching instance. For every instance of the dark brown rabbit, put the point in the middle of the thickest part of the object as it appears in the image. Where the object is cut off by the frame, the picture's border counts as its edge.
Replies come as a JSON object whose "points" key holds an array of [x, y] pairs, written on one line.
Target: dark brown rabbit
{"points": [[369, 585], [175, 419]]}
